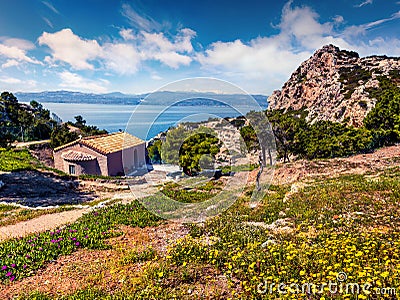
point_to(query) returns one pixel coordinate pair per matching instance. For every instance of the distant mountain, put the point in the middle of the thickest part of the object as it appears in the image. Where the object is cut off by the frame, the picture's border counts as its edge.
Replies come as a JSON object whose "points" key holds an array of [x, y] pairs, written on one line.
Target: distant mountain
{"points": [[77, 97], [206, 99], [336, 85], [158, 98]]}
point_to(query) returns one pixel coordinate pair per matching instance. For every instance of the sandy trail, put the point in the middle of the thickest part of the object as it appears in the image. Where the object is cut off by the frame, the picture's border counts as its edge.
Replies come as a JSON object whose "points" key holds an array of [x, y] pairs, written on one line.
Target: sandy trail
{"points": [[39, 224], [51, 221]]}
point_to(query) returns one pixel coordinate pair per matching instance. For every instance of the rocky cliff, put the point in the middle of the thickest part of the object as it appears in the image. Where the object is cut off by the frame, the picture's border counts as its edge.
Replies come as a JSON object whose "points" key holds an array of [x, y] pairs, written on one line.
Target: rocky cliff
{"points": [[335, 85]]}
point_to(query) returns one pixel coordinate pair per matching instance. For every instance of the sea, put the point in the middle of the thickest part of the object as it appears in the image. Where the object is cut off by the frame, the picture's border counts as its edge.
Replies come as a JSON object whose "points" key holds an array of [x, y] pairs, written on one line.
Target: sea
{"points": [[143, 121]]}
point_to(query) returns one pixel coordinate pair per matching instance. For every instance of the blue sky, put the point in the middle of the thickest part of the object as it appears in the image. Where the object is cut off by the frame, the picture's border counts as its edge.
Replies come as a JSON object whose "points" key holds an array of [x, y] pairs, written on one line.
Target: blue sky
{"points": [[138, 46]]}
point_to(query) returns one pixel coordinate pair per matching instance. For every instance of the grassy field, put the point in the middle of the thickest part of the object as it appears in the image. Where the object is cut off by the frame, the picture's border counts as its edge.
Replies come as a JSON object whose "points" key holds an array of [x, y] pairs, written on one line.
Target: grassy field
{"points": [[16, 160], [341, 230]]}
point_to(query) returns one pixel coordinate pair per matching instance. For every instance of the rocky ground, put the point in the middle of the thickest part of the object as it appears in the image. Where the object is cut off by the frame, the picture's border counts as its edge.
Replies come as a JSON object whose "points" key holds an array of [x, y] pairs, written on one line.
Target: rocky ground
{"points": [[302, 170]]}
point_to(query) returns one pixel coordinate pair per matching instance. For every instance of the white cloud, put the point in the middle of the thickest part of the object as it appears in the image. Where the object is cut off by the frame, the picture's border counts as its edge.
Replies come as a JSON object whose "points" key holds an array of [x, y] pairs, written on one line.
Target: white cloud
{"points": [[264, 61], [366, 2], [67, 47], [12, 83], [19, 43], [156, 77], [158, 42], [260, 64], [171, 53], [140, 21], [73, 81], [51, 7], [127, 34], [10, 63], [173, 59], [356, 30], [379, 46], [10, 80], [16, 49], [302, 24], [338, 19], [121, 58], [48, 22], [300, 34]]}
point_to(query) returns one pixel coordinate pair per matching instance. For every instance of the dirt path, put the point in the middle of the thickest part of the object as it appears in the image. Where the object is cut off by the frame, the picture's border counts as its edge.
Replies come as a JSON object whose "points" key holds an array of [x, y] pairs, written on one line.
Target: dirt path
{"points": [[51, 221], [27, 144], [39, 224]]}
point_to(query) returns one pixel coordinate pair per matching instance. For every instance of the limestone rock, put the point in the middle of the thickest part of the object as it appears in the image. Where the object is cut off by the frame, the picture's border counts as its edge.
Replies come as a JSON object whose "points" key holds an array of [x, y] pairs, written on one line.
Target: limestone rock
{"points": [[334, 85]]}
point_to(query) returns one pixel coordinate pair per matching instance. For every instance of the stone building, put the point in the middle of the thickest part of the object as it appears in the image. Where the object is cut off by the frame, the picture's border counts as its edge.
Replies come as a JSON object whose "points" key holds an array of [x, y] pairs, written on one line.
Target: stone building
{"points": [[113, 154]]}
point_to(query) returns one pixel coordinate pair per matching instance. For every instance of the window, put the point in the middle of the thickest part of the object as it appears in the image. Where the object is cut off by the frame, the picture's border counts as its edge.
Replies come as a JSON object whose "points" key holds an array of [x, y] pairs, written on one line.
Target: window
{"points": [[72, 169]]}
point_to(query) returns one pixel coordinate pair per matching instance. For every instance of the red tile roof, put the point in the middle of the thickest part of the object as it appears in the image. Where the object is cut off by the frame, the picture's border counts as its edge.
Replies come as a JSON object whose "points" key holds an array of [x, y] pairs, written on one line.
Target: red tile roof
{"points": [[77, 156], [107, 143]]}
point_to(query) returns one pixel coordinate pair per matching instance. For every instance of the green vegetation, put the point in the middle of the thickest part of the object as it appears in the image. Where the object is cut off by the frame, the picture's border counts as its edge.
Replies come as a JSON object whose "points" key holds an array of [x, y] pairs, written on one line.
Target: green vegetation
{"points": [[192, 195], [324, 139], [239, 168], [23, 122], [154, 151], [135, 256], [384, 119], [287, 129], [62, 134], [351, 76], [19, 258], [191, 150], [16, 160], [250, 138], [329, 227]]}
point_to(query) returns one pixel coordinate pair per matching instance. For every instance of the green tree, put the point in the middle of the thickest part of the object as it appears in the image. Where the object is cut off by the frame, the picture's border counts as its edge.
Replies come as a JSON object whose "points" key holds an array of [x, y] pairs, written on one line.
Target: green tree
{"points": [[250, 137], [170, 148], [25, 121], [154, 151], [384, 118], [79, 121], [190, 149], [288, 129], [11, 106], [62, 135], [86, 130]]}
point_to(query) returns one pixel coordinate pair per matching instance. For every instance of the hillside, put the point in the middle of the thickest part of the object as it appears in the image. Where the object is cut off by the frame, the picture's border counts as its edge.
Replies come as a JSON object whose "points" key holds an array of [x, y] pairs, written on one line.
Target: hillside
{"points": [[335, 85], [318, 220]]}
